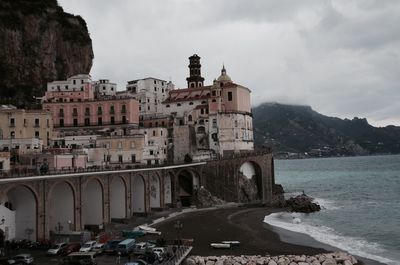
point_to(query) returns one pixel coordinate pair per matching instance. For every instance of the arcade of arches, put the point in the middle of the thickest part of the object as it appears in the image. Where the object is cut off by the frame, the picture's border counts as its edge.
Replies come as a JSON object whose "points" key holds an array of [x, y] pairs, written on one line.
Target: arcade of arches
{"points": [[34, 209]]}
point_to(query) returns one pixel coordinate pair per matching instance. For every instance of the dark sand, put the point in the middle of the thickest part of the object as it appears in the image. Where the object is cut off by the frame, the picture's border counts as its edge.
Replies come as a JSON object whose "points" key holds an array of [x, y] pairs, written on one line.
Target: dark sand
{"points": [[245, 225]]}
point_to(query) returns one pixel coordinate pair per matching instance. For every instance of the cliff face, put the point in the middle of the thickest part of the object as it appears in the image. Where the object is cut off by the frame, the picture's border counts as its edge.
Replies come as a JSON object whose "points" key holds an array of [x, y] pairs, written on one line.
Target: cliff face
{"points": [[39, 43]]}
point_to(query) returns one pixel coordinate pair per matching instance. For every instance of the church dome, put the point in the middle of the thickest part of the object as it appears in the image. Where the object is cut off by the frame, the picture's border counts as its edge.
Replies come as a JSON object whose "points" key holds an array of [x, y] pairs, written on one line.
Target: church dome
{"points": [[224, 77]]}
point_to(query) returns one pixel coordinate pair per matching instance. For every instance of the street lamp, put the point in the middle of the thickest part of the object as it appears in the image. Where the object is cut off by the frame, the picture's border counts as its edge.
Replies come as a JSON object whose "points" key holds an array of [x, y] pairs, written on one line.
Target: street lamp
{"points": [[178, 226], [59, 228]]}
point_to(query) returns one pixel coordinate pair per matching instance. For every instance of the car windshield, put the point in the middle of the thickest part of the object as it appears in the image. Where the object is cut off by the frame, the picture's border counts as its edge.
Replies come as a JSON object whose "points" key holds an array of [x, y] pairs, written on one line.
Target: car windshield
{"points": [[87, 245], [55, 247]]}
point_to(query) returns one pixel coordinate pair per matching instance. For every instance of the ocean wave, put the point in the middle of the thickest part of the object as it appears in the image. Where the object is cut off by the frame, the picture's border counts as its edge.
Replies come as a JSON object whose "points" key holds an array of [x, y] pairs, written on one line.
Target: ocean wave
{"points": [[327, 204], [355, 246]]}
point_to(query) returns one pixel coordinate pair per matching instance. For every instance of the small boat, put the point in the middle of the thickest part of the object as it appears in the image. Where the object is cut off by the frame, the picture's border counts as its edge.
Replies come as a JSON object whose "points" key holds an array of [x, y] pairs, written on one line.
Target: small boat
{"points": [[232, 242], [149, 230], [220, 245]]}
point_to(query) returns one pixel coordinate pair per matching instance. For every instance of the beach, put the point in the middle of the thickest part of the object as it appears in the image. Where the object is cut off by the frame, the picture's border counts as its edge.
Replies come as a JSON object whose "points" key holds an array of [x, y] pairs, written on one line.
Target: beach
{"points": [[244, 224]]}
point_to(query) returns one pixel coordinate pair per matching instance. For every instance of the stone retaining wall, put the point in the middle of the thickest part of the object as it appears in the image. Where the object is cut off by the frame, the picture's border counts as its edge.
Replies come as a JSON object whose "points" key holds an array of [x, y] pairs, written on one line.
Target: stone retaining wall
{"points": [[336, 258]]}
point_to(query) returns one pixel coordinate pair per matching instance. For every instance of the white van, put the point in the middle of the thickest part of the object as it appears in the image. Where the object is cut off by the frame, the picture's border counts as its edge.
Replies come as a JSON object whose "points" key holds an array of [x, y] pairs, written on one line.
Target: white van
{"points": [[126, 246]]}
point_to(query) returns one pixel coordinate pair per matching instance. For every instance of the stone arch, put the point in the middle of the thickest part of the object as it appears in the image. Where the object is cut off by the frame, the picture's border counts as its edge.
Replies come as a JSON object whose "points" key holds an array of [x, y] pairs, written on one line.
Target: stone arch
{"points": [[62, 207], [138, 196], [19, 208], [168, 187], [93, 201], [188, 184], [118, 198], [250, 181], [155, 191]]}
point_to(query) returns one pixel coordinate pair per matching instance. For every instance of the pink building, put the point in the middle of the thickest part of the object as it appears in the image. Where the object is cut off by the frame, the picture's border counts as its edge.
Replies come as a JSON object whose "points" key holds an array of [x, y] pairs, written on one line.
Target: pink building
{"points": [[73, 103]]}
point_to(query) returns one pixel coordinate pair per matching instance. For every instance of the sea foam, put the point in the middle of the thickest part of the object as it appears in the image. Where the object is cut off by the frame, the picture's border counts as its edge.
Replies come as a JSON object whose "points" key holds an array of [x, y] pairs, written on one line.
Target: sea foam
{"points": [[356, 246]]}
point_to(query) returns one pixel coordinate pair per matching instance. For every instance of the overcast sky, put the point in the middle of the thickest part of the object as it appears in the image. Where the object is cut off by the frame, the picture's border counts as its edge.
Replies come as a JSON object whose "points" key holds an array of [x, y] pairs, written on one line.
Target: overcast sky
{"points": [[340, 57]]}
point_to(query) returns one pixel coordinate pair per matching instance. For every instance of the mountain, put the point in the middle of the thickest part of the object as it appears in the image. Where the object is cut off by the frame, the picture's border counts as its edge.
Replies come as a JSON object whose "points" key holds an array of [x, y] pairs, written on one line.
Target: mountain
{"points": [[39, 43], [300, 129]]}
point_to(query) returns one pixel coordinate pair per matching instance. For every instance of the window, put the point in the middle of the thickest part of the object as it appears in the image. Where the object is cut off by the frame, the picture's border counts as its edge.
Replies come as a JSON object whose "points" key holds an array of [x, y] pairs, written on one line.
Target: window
{"points": [[74, 81], [61, 122], [112, 120], [229, 96], [214, 100], [214, 123], [190, 118], [201, 129], [123, 109], [179, 104], [236, 123], [150, 124], [74, 112], [124, 119], [214, 93], [37, 134], [25, 122], [87, 121], [99, 110], [133, 158], [12, 135], [12, 122], [190, 103], [81, 81], [66, 87], [154, 133], [61, 112], [112, 110], [120, 159], [161, 132], [87, 111], [148, 100], [75, 122], [99, 121], [148, 107], [167, 106]]}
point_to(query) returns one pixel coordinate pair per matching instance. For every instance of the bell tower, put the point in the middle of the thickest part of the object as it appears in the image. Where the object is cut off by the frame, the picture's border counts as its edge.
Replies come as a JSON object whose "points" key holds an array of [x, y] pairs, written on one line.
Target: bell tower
{"points": [[195, 79]]}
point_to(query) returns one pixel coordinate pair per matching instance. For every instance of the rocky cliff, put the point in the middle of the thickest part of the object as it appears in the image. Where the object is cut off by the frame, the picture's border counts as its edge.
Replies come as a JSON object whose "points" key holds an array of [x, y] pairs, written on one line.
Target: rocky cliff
{"points": [[39, 43]]}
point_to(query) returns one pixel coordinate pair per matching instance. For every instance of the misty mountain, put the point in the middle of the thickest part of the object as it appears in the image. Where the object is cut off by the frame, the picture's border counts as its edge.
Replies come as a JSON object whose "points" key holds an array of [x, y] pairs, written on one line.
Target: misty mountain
{"points": [[300, 129]]}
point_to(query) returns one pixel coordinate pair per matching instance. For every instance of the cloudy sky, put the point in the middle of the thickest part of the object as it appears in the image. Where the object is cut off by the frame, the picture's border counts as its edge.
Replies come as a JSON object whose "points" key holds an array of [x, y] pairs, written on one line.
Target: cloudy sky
{"points": [[340, 57]]}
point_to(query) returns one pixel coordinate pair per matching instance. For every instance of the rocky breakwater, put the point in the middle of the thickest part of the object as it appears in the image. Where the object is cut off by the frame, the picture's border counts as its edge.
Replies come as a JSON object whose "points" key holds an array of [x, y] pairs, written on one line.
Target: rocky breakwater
{"points": [[336, 258], [302, 203]]}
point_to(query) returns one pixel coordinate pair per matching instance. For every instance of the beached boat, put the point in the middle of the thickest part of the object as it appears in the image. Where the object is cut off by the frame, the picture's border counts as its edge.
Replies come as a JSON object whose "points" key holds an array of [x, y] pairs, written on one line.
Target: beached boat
{"points": [[220, 245], [149, 230], [232, 242]]}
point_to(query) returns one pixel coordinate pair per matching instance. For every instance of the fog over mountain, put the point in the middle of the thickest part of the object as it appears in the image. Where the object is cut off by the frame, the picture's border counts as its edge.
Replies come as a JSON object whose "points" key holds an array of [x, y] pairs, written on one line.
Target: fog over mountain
{"points": [[341, 57]]}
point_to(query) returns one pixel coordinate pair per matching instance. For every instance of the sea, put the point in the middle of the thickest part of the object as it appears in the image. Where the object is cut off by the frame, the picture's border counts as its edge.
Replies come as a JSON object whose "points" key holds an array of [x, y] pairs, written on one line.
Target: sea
{"points": [[360, 200]]}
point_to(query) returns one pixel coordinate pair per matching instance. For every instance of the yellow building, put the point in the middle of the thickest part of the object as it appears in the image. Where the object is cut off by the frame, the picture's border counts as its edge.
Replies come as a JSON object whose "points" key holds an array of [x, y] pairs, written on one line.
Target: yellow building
{"points": [[19, 128]]}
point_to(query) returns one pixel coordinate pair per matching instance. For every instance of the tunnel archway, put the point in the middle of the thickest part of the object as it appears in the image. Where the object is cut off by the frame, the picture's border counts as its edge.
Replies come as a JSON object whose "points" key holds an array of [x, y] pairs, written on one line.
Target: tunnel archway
{"points": [[155, 191], [117, 198], [61, 208], [21, 206], [93, 203], [168, 188], [138, 194], [250, 189], [188, 184]]}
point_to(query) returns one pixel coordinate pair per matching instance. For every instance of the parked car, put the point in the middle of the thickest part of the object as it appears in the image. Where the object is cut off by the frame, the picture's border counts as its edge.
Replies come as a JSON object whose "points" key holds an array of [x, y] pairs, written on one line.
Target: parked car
{"points": [[70, 248], [111, 246], [88, 246], [21, 258], [126, 246], [140, 248], [56, 249], [136, 262], [99, 248], [79, 258], [160, 252]]}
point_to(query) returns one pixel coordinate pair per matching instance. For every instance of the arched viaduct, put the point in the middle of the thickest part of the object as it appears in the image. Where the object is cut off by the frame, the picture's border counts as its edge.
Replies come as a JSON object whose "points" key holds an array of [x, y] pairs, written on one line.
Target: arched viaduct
{"points": [[33, 207]]}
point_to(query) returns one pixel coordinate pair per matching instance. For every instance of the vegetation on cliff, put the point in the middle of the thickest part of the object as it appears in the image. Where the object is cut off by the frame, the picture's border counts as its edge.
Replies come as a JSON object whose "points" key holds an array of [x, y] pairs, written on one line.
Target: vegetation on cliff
{"points": [[300, 129], [40, 43]]}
